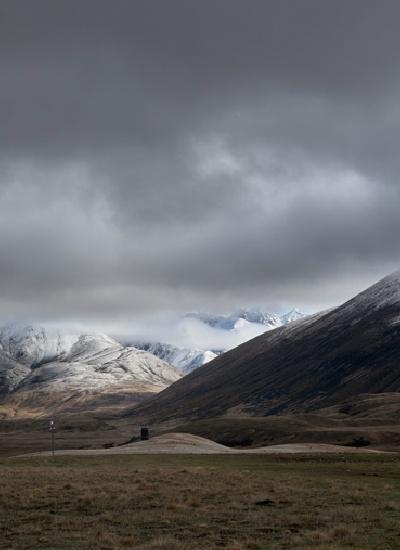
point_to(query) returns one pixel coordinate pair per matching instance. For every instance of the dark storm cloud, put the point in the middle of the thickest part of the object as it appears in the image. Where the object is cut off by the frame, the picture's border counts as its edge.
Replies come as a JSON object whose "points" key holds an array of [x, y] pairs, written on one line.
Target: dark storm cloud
{"points": [[181, 154]]}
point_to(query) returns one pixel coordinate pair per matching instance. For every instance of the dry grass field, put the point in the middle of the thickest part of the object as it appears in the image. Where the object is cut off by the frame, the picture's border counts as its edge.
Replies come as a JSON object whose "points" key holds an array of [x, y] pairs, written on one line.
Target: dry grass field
{"points": [[200, 502]]}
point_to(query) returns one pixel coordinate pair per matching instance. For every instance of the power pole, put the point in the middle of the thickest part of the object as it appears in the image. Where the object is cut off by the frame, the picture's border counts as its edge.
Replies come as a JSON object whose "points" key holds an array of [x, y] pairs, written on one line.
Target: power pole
{"points": [[52, 430]]}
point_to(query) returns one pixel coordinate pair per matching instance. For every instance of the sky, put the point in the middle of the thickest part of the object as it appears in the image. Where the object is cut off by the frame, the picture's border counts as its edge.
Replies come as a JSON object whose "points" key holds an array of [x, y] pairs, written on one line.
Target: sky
{"points": [[159, 157]]}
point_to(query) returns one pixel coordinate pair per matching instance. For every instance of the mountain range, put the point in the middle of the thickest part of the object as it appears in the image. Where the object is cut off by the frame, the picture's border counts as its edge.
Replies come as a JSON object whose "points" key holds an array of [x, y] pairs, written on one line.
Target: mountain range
{"points": [[42, 373], [331, 377], [45, 371], [234, 323], [313, 363], [250, 315], [186, 360]]}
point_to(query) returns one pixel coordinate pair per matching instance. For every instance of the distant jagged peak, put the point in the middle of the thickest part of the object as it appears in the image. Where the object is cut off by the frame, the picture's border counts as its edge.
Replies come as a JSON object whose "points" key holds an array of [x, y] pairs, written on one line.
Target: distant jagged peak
{"points": [[293, 315], [257, 315], [254, 315]]}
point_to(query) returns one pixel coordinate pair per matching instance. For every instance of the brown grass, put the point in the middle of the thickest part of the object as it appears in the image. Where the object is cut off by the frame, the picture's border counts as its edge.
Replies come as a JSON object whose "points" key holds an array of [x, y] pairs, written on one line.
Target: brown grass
{"points": [[200, 502]]}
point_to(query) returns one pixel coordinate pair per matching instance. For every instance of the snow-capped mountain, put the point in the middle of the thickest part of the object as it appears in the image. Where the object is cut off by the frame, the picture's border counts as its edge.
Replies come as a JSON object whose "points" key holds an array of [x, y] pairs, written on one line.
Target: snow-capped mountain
{"points": [[336, 358], [242, 324], [30, 345], [293, 315], [252, 315], [95, 364], [41, 372], [184, 359], [44, 369]]}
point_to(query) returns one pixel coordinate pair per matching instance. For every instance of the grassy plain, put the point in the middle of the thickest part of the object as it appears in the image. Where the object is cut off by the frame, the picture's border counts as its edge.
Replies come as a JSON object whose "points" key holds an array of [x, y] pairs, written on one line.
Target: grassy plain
{"points": [[200, 502]]}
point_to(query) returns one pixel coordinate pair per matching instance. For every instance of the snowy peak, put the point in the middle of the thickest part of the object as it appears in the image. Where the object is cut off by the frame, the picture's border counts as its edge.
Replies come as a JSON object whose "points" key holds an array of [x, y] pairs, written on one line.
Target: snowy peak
{"points": [[32, 345], [184, 359], [328, 359], [259, 317], [293, 315], [89, 345], [240, 326], [43, 371], [239, 318]]}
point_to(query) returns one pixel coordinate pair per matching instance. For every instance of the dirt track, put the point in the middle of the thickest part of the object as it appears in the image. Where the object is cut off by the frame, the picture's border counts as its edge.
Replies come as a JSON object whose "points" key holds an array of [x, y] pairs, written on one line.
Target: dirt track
{"points": [[184, 443]]}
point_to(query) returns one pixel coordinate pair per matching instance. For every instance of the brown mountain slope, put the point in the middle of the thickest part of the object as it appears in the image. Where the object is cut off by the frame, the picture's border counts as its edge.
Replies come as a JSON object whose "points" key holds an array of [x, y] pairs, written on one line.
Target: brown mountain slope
{"points": [[314, 363]]}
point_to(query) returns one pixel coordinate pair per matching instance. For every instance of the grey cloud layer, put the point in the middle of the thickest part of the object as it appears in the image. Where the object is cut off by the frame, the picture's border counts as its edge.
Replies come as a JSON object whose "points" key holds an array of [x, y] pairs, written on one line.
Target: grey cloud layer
{"points": [[185, 154]]}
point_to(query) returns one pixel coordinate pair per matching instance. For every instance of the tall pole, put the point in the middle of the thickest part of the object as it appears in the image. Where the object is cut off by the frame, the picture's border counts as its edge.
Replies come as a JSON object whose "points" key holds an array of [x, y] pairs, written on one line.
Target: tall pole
{"points": [[52, 429]]}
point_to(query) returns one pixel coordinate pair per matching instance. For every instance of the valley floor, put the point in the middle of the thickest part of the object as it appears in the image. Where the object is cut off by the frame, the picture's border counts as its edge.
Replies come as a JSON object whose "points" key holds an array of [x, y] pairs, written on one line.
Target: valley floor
{"points": [[200, 502]]}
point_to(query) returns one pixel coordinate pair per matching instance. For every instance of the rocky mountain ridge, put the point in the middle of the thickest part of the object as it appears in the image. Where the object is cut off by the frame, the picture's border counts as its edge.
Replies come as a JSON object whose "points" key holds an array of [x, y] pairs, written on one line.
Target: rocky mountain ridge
{"points": [[188, 360], [320, 361], [90, 369], [250, 315], [184, 359]]}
